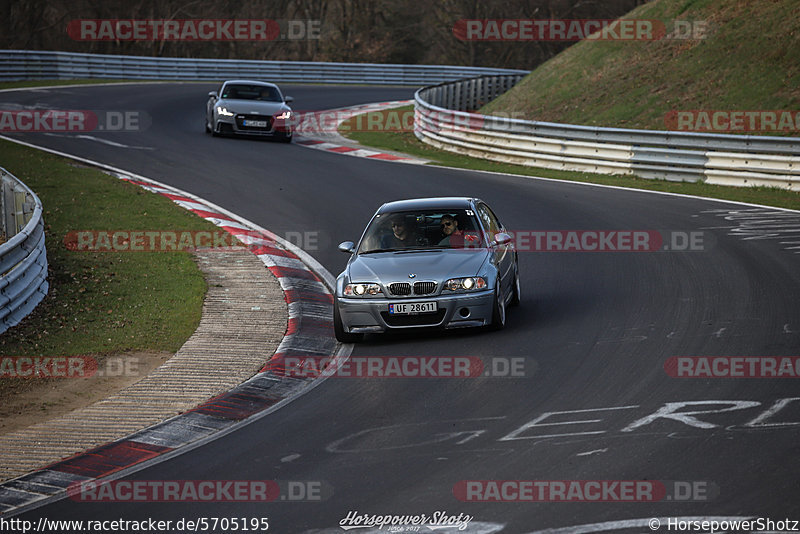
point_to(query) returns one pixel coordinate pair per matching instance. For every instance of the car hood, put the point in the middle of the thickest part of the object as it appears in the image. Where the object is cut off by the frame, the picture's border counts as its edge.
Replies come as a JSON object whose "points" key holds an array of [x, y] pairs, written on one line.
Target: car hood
{"points": [[440, 265], [252, 107]]}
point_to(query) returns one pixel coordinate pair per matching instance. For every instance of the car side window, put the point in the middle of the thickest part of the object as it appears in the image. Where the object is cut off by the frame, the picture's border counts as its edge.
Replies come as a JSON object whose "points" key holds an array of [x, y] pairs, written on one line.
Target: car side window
{"points": [[500, 227], [489, 220]]}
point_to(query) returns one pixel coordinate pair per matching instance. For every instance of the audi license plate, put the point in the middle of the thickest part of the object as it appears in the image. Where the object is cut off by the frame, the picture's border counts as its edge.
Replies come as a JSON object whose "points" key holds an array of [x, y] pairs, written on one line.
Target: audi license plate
{"points": [[255, 124], [412, 308]]}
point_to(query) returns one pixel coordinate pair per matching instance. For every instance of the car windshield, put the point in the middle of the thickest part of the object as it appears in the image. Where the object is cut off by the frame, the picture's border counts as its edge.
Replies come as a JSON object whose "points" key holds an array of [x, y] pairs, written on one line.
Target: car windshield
{"points": [[422, 230], [242, 91]]}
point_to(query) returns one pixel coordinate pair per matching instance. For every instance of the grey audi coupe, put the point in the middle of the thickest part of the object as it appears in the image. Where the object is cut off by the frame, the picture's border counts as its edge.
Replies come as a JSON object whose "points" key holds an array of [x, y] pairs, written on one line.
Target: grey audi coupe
{"points": [[248, 107], [429, 262]]}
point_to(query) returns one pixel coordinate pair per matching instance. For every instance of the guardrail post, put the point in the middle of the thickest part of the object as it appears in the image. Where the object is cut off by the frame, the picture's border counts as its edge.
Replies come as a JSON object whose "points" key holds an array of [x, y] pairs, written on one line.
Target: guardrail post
{"points": [[3, 224], [9, 219]]}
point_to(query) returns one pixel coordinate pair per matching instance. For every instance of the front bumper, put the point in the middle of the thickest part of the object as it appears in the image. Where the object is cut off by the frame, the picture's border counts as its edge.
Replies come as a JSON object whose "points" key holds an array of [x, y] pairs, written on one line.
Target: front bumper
{"points": [[367, 315], [231, 125]]}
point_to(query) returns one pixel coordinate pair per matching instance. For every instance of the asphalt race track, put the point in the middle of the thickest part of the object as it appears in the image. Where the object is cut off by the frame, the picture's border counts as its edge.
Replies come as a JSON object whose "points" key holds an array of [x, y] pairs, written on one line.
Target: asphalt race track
{"points": [[593, 332]]}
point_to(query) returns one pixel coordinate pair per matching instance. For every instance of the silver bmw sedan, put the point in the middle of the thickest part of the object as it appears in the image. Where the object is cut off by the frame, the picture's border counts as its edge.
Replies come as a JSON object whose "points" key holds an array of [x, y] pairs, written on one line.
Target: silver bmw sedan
{"points": [[428, 262]]}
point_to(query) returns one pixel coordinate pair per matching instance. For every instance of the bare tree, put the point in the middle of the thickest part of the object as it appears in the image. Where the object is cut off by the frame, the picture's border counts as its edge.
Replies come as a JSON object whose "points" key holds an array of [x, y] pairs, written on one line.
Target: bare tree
{"points": [[393, 31]]}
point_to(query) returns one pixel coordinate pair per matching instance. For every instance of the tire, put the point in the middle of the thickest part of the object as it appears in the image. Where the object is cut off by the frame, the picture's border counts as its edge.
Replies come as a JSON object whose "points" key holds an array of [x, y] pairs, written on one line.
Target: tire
{"points": [[285, 138], [498, 310], [208, 128], [338, 328], [517, 293]]}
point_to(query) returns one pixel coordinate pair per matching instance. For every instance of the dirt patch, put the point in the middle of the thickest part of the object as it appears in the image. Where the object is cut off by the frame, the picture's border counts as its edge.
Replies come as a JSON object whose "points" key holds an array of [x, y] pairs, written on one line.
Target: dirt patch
{"points": [[27, 401]]}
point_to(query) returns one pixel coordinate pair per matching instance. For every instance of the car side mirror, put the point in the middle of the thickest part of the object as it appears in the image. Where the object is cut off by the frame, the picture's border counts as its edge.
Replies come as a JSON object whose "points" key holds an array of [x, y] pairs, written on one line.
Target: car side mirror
{"points": [[288, 99], [213, 94], [502, 238], [347, 246]]}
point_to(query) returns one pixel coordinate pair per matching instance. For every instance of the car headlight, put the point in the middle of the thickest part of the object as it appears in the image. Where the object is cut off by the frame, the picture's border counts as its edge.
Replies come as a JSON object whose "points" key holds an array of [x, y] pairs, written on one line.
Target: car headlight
{"points": [[361, 290], [470, 283], [284, 115], [224, 112]]}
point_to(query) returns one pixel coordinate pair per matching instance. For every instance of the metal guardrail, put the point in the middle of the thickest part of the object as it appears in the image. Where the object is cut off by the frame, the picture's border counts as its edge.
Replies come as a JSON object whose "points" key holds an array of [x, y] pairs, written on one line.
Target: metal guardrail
{"points": [[23, 258], [442, 119], [45, 65]]}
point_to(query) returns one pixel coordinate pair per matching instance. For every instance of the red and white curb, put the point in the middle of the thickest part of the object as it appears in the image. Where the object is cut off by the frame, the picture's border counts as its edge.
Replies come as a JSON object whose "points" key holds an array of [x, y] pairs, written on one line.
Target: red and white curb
{"points": [[307, 290], [326, 137]]}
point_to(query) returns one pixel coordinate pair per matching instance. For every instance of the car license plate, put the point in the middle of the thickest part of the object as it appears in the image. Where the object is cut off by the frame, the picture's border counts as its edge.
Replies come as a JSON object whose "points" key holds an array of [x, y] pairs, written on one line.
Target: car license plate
{"points": [[412, 308], [256, 124]]}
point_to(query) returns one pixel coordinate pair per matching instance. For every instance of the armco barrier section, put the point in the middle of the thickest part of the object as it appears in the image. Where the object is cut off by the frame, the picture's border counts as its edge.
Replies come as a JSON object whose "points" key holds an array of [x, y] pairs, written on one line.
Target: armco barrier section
{"points": [[44, 65], [23, 258], [442, 119]]}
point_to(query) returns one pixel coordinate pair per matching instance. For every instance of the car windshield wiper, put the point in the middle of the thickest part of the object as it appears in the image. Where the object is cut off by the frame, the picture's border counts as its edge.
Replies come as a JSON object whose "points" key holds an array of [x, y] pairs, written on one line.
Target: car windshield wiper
{"points": [[424, 249], [406, 249], [374, 250]]}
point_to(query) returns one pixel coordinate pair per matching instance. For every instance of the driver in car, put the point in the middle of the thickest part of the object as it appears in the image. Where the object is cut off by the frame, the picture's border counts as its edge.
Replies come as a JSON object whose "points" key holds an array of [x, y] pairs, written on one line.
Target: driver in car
{"points": [[268, 94], [453, 237]]}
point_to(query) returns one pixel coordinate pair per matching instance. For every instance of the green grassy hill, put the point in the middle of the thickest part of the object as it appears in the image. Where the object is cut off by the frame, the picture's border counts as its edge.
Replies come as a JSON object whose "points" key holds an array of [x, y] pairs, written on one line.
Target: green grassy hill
{"points": [[750, 60]]}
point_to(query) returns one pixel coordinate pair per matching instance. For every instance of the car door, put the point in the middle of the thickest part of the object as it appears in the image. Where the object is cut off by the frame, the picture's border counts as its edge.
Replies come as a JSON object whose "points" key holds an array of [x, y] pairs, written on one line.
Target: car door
{"points": [[503, 255]]}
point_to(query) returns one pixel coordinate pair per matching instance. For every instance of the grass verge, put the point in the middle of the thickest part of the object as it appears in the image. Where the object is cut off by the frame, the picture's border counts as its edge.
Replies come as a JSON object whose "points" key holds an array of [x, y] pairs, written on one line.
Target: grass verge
{"points": [[101, 303], [406, 142], [747, 59]]}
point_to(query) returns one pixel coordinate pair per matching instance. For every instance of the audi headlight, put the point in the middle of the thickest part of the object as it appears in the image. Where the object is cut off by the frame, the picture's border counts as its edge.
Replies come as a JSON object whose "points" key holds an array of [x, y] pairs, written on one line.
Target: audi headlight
{"points": [[284, 115], [470, 283], [224, 112], [361, 290]]}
